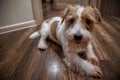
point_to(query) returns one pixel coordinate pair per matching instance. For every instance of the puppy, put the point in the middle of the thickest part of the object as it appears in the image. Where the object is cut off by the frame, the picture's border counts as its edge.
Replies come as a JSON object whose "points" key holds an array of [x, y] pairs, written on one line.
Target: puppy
{"points": [[72, 32]]}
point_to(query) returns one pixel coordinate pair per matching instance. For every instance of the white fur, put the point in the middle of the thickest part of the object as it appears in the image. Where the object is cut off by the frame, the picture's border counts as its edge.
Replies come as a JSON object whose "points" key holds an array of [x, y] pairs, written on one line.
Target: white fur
{"points": [[71, 57]]}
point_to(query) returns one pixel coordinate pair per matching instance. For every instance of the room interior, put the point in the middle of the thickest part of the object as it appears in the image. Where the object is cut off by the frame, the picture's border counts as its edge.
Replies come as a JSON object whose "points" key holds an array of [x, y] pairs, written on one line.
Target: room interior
{"points": [[20, 59]]}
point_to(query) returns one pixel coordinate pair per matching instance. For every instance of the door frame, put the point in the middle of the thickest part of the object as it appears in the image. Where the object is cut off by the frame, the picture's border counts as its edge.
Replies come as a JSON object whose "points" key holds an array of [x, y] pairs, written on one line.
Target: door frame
{"points": [[37, 11]]}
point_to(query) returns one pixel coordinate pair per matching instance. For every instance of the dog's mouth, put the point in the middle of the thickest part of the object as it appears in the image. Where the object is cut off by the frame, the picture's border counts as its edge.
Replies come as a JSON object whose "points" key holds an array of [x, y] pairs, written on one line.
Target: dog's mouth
{"points": [[77, 42], [80, 42], [82, 54]]}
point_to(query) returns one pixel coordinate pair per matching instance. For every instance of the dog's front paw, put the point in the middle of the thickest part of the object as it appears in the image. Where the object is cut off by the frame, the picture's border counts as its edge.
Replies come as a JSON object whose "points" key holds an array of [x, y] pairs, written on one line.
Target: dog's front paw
{"points": [[93, 59], [96, 72]]}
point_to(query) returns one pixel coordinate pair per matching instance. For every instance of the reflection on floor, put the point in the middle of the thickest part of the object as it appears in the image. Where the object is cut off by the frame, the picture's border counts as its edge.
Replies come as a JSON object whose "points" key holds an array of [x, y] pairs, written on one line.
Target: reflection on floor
{"points": [[20, 58]]}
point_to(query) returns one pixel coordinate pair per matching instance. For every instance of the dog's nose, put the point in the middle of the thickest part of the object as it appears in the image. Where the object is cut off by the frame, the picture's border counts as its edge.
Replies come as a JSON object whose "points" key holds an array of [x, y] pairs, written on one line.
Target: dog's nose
{"points": [[77, 37]]}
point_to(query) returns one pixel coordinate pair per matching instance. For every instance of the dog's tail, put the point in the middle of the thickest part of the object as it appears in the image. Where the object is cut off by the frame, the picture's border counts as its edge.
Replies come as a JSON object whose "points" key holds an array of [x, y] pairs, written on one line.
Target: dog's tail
{"points": [[35, 35]]}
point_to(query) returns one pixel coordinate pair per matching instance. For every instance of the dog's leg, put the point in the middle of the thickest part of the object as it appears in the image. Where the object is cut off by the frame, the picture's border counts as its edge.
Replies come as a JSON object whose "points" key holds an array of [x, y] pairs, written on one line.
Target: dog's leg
{"points": [[44, 34], [91, 55], [81, 65]]}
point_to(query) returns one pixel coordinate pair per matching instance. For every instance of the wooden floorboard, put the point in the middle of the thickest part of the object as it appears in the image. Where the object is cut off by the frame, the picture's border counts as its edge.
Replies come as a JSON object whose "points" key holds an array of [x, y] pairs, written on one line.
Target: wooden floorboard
{"points": [[20, 59]]}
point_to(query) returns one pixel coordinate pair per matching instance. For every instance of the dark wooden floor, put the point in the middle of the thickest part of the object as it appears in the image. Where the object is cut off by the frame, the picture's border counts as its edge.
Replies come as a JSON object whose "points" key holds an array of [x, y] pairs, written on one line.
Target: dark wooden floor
{"points": [[20, 59]]}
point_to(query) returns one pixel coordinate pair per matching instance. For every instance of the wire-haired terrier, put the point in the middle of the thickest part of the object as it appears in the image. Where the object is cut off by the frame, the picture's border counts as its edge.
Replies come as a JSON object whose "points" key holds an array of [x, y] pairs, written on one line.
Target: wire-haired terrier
{"points": [[72, 32]]}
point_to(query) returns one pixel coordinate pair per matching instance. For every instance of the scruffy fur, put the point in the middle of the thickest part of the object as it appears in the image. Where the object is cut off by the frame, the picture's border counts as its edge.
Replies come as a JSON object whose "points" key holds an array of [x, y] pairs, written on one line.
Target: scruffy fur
{"points": [[76, 20]]}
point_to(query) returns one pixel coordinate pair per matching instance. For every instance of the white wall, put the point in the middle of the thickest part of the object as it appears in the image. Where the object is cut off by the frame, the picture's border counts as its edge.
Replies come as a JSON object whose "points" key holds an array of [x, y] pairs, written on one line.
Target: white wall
{"points": [[15, 11]]}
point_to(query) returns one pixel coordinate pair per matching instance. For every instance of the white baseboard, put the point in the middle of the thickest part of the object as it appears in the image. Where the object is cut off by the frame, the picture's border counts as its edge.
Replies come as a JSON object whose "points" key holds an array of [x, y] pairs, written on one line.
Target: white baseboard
{"points": [[17, 26]]}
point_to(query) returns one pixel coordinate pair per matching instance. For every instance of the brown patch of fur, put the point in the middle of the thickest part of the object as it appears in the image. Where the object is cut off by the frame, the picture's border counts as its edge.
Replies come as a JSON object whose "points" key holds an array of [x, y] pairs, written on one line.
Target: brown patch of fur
{"points": [[68, 11], [69, 14], [87, 26], [92, 14], [70, 19], [53, 30]]}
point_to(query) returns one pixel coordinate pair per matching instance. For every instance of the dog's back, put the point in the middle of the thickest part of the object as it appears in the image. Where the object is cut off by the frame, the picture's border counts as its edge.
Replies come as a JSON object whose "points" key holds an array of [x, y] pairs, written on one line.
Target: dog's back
{"points": [[49, 25]]}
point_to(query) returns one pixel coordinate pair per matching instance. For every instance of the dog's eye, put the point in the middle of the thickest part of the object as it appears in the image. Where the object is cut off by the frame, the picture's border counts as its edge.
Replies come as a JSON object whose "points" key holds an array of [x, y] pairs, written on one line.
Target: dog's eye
{"points": [[88, 21], [71, 20]]}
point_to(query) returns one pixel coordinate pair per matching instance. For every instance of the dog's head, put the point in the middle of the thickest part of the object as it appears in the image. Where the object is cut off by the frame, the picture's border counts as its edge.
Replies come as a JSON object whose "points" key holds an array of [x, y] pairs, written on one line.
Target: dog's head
{"points": [[79, 22]]}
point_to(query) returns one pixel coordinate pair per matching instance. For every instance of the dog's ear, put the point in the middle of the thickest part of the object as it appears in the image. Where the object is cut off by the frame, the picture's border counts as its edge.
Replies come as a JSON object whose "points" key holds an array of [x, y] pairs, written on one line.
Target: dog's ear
{"points": [[91, 16], [67, 11], [97, 14]]}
